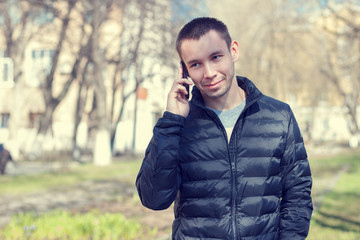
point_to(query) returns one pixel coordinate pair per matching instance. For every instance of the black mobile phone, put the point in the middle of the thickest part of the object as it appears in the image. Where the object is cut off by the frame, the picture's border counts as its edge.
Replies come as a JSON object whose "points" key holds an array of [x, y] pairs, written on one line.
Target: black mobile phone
{"points": [[185, 74]]}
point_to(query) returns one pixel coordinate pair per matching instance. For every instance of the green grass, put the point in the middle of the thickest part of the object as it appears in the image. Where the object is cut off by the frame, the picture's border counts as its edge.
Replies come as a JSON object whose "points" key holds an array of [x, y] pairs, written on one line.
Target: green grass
{"points": [[338, 216], [65, 225], [124, 171]]}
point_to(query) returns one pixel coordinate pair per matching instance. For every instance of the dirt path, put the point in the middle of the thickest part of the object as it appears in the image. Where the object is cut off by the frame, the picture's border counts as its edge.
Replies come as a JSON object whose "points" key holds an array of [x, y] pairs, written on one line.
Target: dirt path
{"points": [[319, 197]]}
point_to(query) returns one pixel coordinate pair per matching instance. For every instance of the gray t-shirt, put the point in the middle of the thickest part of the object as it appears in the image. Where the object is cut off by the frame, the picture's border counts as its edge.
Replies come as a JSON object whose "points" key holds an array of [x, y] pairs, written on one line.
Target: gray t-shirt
{"points": [[229, 117]]}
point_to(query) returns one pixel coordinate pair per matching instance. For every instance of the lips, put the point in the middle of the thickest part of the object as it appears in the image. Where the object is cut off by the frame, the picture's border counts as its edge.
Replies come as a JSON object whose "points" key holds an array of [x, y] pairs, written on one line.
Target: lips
{"points": [[212, 84]]}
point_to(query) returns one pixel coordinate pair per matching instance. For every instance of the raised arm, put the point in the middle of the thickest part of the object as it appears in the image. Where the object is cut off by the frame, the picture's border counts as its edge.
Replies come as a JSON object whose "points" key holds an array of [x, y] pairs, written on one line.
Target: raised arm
{"points": [[159, 177]]}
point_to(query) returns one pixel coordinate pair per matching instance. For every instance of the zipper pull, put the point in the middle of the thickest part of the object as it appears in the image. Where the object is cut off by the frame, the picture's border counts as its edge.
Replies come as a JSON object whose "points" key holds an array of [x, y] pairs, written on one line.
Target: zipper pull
{"points": [[233, 166]]}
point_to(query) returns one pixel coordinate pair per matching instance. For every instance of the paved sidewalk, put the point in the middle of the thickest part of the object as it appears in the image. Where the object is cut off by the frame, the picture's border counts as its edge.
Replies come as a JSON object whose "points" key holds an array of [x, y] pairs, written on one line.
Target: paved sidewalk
{"points": [[29, 168]]}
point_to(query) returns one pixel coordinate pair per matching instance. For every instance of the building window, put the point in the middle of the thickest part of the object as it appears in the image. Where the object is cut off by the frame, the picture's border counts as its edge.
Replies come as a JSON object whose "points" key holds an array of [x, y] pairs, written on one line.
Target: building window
{"points": [[41, 62], [34, 120], [4, 120], [6, 72]]}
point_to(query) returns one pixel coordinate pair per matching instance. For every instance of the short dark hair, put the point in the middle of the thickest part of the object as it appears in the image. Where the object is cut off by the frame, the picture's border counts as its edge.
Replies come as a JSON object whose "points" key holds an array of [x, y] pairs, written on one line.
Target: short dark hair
{"points": [[198, 27]]}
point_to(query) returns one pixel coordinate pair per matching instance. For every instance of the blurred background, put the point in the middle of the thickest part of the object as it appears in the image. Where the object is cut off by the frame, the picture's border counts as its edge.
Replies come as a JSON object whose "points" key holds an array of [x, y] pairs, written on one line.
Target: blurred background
{"points": [[92, 76], [83, 82]]}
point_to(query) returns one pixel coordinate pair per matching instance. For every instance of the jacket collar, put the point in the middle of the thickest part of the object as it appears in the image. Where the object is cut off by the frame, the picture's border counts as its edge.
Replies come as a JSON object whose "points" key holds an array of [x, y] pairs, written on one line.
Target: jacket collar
{"points": [[252, 92]]}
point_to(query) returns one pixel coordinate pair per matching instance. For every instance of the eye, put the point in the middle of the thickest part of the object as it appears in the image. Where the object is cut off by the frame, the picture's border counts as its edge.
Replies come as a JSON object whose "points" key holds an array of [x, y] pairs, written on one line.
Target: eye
{"points": [[217, 57], [194, 65]]}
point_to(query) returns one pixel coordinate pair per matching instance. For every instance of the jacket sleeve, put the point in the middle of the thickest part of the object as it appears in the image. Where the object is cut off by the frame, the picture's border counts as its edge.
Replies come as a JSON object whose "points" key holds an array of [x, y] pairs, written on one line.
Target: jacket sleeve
{"points": [[296, 202], [159, 177]]}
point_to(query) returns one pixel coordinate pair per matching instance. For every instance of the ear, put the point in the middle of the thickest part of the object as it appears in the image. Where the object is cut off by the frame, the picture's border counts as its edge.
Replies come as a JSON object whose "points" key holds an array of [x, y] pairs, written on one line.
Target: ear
{"points": [[234, 49]]}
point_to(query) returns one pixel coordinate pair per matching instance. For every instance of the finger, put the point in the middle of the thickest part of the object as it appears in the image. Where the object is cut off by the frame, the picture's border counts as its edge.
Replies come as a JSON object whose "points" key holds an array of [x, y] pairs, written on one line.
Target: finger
{"points": [[183, 81], [180, 83], [180, 72], [178, 88], [183, 91]]}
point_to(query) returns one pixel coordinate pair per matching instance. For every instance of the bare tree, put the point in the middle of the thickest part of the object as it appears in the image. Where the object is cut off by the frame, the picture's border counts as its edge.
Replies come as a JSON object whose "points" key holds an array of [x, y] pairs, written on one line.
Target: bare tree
{"points": [[17, 31], [262, 30], [342, 53], [84, 85], [52, 101], [144, 37], [102, 150], [277, 42]]}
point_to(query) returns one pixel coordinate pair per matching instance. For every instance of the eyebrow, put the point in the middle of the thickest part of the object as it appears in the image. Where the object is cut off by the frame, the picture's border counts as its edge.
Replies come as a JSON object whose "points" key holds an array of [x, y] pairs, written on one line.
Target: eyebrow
{"points": [[212, 54], [216, 53]]}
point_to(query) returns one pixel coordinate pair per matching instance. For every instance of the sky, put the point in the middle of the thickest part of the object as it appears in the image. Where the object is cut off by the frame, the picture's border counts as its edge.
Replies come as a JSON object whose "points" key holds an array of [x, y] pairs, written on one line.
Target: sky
{"points": [[184, 10]]}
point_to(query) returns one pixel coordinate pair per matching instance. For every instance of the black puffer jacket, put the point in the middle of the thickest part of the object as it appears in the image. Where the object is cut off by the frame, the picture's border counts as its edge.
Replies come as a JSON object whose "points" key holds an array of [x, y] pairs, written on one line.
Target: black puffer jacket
{"points": [[255, 187]]}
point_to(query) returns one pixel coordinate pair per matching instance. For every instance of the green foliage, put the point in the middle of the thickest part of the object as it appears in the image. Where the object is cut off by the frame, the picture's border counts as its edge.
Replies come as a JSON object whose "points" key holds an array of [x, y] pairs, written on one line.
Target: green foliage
{"points": [[64, 225]]}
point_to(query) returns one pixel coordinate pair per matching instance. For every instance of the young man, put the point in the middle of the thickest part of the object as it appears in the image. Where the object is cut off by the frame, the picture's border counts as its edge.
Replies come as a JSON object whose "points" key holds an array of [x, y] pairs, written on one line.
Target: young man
{"points": [[231, 158]]}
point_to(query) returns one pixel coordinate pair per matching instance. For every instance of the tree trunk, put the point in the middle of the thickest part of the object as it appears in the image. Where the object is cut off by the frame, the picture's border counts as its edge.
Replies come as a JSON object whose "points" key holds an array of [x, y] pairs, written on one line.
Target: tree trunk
{"points": [[102, 148], [133, 147], [15, 117]]}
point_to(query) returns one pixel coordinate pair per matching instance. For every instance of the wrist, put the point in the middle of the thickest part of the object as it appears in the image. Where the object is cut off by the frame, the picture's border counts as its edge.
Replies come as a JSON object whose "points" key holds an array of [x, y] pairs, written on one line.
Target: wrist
{"points": [[173, 116]]}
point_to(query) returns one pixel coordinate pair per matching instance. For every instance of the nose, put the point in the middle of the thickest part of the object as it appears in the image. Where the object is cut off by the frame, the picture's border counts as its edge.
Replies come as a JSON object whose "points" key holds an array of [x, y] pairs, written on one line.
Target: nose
{"points": [[209, 71]]}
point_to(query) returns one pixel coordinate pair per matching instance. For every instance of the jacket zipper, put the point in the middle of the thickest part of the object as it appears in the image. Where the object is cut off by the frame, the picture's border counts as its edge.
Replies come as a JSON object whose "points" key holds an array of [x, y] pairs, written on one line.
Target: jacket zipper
{"points": [[232, 153], [233, 211], [232, 159]]}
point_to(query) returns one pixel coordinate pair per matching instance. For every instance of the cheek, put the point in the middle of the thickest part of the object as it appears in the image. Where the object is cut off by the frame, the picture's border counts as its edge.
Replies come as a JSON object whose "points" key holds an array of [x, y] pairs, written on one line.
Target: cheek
{"points": [[228, 68], [196, 77]]}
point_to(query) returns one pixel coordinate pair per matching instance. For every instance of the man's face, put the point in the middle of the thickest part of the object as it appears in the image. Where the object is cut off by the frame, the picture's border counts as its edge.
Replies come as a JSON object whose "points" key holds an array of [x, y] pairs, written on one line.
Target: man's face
{"points": [[210, 64]]}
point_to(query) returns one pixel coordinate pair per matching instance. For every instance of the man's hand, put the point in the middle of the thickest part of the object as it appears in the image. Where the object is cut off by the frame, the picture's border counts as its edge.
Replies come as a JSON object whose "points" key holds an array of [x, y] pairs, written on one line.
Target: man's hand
{"points": [[177, 102]]}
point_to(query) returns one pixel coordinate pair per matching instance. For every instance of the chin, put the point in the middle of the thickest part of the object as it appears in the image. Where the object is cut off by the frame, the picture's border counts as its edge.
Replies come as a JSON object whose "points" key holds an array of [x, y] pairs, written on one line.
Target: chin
{"points": [[217, 94]]}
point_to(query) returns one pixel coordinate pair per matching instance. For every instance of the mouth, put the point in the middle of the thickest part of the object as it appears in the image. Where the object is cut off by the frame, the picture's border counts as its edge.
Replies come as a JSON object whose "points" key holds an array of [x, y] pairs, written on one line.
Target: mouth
{"points": [[212, 84]]}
